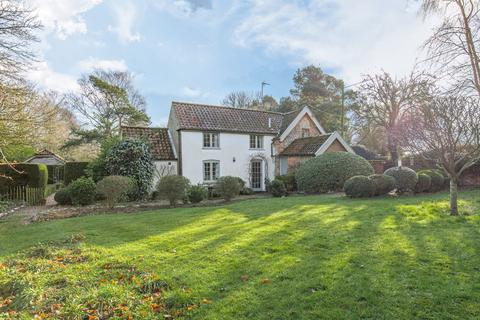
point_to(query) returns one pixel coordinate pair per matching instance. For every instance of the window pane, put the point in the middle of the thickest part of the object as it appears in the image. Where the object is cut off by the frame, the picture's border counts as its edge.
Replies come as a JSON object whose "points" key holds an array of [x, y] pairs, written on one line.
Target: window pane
{"points": [[259, 142], [215, 170], [252, 142], [215, 143], [206, 140], [206, 171]]}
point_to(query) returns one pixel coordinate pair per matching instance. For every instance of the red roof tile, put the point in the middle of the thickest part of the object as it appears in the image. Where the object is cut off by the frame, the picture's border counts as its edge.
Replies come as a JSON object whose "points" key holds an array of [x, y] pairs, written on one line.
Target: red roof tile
{"points": [[159, 139], [305, 146]]}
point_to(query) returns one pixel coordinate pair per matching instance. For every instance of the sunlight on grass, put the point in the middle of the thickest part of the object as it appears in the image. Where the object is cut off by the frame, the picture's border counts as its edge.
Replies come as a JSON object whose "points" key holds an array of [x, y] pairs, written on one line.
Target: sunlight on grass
{"points": [[299, 257]]}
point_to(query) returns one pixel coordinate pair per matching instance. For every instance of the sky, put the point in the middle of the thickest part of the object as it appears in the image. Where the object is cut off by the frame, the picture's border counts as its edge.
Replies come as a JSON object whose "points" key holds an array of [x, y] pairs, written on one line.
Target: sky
{"points": [[200, 50]]}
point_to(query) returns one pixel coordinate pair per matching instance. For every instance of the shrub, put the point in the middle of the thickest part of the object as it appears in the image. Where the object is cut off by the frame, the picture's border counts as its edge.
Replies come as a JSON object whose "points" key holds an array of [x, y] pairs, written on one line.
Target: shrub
{"points": [[405, 178], [383, 183], [132, 158], [424, 183], [289, 181], [62, 197], [359, 187], [97, 168], [329, 171], [115, 188], [228, 187], [73, 171], [173, 188], [277, 188], [197, 193], [43, 176], [82, 191], [437, 180]]}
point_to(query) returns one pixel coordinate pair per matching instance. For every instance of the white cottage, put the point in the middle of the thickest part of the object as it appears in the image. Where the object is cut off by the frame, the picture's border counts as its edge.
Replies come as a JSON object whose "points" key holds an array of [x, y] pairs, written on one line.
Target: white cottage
{"points": [[204, 142]]}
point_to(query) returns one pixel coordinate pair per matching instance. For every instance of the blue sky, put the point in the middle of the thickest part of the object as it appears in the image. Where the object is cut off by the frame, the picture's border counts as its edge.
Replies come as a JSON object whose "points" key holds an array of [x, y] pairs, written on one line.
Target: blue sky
{"points": [[200, 50]]}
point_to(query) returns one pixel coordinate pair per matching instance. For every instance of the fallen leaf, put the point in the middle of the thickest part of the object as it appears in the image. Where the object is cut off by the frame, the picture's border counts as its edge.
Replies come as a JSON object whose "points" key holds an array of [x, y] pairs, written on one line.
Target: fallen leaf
{"points": [[264, 281], [245, 277]]}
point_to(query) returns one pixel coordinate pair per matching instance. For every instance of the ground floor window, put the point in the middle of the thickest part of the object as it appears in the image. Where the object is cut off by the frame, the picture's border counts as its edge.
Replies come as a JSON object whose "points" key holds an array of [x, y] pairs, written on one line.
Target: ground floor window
{"points": [[211, 170]]}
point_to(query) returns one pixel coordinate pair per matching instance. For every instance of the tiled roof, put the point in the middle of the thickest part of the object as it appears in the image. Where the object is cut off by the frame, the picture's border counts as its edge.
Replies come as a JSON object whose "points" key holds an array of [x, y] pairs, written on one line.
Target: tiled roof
{"points": [[218, 118], [305, 146], [159, 139], [288, 118]]}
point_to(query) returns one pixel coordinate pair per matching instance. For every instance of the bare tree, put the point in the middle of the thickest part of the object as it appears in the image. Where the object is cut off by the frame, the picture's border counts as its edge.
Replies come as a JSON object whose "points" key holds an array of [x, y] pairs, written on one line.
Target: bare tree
{"points": [[385, 100], [453, 48], [18, 26], [242, 99], [446, 130]]}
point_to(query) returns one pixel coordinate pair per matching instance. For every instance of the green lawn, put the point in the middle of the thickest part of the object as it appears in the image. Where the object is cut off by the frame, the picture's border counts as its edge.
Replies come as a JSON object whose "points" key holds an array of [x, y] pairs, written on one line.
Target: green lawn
{"points": [[315, 257]]}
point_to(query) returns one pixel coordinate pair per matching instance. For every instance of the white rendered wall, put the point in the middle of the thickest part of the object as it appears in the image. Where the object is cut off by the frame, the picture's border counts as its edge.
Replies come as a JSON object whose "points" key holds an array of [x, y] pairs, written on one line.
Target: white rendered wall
{"points": [[232, 145], [163, 168]]}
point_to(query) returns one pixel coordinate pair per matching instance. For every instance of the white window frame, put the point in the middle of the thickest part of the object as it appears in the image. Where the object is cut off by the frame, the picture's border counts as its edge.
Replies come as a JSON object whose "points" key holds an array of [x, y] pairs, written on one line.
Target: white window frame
{"points": [[257, 142], [209, 177], [211, 139]]}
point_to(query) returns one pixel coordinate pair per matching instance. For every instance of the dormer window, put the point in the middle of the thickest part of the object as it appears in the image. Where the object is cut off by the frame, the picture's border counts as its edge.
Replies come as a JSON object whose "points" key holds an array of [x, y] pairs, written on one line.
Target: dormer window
{"points": [[211, 140], [256, 142]]}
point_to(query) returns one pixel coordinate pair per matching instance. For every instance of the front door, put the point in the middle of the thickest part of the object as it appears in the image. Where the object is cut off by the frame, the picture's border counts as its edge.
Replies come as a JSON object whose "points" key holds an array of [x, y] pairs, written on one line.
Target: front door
{"points": [[256, 175]]}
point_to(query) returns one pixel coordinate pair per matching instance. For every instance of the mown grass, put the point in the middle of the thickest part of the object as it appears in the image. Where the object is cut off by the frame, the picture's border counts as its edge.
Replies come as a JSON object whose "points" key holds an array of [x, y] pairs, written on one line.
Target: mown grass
{"points": [[316, 257]]}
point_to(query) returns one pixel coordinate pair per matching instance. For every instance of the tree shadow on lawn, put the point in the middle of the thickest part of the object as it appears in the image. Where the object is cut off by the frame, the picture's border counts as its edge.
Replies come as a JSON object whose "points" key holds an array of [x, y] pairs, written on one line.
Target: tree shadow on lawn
{"points": [[334, 258], [371, 270]]}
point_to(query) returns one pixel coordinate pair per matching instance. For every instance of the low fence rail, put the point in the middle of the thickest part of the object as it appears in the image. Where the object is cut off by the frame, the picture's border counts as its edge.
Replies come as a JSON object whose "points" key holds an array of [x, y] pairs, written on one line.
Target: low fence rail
{"points": [[31, 196]]}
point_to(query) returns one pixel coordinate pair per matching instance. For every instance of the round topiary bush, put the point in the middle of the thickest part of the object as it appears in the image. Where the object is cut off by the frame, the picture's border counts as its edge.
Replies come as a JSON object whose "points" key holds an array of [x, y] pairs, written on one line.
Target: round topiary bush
{"points": [[383, 183], [437, 180], [359, 187], [423, 184], [132, 158], [197, 193], [62, 197], [277, 188], [329, 171], [173, 188], [228, 187], [82, 191], [405, 178], [115, 188]]}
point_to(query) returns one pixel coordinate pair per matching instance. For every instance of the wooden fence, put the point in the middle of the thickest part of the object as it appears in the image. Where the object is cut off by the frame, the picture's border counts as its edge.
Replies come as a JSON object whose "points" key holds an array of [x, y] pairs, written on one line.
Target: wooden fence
{"points": [[31, 196]]}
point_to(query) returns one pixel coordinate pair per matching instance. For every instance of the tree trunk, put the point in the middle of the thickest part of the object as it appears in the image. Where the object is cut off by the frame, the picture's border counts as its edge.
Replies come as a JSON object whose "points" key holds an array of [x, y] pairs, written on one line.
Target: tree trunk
{"points": [[453, 197], [392, 149]]}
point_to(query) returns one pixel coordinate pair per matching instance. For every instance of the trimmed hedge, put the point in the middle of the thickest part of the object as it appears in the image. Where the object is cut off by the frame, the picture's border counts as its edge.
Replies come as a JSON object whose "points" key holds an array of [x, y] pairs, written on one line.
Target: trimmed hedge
{"points": [[228, 187], [62, 197], [73, 171], [197, 194], [173, 188], [383, 184], [424, 183], [82, 191], [405, 178], [360, 187], [23, 174], [329, 171], [277, 188], [437, 179]]}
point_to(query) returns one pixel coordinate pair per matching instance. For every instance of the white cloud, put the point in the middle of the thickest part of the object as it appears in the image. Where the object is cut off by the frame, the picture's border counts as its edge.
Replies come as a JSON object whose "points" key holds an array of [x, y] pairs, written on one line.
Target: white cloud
{"points": [[48, 79], [350, 36], [125, 17], [94, 63], [193, 92], [63, 17]]}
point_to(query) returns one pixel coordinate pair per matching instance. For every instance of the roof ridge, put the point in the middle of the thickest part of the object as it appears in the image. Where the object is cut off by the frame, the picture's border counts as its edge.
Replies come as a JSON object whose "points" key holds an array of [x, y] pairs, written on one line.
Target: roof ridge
{"points": [[148, 127], [226, 107]]}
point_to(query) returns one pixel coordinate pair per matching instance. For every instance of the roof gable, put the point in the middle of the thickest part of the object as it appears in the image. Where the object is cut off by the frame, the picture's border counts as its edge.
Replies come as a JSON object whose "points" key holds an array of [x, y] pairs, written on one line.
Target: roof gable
{"points": [[159, 139], [314, 146]]}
